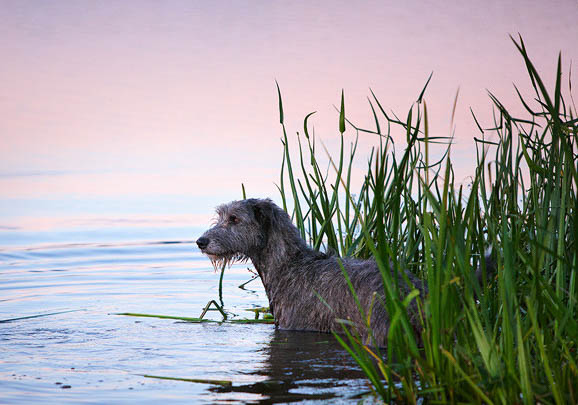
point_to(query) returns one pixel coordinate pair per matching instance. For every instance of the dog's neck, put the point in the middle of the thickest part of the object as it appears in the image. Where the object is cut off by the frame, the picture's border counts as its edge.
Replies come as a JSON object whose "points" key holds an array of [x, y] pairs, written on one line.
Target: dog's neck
{"points": [[274, 263], [279, 252]]}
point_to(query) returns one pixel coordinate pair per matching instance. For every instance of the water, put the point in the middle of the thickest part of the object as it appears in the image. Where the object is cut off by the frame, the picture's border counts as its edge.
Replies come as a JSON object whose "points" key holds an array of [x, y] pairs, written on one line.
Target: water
{"points": [[91, 355]]}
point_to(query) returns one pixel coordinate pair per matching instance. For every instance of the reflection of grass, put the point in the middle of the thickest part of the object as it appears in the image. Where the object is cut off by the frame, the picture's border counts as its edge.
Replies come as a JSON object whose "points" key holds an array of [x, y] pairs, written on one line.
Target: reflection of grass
{"points": [[516, 342]]}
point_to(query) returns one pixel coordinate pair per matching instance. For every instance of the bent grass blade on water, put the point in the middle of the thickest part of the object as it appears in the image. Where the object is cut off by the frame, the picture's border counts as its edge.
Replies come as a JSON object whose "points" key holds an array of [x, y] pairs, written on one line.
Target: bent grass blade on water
{"points": [[223, 383], [197, 320], [39, 315]]}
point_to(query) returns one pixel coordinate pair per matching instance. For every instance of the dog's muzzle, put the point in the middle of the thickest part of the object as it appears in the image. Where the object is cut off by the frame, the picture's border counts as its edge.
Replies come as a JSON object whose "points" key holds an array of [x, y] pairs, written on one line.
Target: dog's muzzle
{"points": [[203, 242]]}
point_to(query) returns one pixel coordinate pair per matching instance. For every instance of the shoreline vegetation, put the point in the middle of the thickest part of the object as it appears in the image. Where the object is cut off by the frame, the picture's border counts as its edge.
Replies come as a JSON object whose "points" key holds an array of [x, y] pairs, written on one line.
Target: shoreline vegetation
{"points": [[510, 340]]}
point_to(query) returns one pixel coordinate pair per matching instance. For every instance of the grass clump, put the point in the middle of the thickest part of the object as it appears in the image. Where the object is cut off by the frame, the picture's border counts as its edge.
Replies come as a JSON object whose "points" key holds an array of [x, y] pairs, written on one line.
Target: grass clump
{"points": [[510, 340]]}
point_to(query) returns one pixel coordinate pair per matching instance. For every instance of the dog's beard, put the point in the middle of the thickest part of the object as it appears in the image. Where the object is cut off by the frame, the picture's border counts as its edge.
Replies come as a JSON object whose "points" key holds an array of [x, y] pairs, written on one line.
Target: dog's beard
{"points": [[220, 262]]}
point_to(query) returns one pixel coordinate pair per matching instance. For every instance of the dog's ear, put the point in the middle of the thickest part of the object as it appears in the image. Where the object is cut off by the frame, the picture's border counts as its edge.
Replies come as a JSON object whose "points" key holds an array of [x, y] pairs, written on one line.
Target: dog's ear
{"points": [[263, 211]]}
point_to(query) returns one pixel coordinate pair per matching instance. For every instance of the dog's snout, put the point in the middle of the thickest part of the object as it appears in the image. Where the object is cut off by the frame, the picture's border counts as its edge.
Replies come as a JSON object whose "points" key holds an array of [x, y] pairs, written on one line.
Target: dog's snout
{"points": [[202, 242]]}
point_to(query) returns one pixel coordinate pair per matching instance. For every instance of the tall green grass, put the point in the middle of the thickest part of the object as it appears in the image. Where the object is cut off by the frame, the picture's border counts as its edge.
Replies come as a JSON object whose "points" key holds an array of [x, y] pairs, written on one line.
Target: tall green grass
{"points": [[510, 340]]}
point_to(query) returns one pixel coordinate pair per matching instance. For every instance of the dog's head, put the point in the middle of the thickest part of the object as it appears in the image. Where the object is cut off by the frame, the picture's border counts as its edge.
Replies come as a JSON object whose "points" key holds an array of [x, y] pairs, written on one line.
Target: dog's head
{"points": [[240, 231]]}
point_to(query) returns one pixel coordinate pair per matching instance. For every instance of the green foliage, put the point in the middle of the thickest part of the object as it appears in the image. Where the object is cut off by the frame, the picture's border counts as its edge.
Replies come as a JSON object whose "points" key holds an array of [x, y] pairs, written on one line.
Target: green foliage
{"points": [[510, 340]]}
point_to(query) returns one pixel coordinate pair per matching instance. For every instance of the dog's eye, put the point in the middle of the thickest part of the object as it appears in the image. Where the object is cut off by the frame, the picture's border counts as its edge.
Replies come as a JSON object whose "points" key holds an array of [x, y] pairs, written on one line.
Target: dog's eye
{"points": [[233, 219]]}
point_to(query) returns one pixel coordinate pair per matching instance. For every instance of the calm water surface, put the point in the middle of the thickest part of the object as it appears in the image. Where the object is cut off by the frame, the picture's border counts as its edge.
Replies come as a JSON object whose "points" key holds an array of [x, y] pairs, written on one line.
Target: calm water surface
{"points": [[91, 355]]}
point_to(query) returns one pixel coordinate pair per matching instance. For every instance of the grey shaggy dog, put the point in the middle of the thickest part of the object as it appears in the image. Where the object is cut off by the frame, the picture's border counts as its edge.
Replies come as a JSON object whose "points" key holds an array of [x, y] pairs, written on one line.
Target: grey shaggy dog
{"points": [[295, 276]]}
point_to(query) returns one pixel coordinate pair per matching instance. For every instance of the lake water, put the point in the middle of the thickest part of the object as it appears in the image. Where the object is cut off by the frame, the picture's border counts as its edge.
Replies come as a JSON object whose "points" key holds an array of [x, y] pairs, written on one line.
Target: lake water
{"points": [[103, 267]]}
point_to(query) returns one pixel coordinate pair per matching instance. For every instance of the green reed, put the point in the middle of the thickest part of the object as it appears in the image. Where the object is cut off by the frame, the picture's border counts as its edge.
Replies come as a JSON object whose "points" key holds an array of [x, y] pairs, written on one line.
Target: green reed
{"points": [[510, 340]]}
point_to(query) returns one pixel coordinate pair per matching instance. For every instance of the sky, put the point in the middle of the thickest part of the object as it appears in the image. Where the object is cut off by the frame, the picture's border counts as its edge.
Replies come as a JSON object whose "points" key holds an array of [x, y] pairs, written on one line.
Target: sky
{"points": [[120, 102]]}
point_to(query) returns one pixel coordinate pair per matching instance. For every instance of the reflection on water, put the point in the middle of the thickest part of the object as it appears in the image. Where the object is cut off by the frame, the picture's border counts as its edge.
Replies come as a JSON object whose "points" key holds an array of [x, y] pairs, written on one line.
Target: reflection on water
{"points": [[304, 366], [80, 352]]}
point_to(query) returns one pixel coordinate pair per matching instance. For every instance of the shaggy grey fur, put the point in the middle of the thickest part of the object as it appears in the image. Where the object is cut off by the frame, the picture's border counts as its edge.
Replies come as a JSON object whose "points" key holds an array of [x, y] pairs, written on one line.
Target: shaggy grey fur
{"points": [[296, 276]]}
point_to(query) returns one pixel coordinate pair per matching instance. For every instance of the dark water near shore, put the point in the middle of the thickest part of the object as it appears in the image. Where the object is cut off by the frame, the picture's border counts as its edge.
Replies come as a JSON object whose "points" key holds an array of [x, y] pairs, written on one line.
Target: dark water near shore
{"points": [[91, 355]]}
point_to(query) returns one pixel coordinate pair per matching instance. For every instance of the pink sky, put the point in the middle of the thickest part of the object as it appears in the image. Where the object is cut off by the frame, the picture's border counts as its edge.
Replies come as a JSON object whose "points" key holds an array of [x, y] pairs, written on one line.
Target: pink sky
{"points": [[184, 91]]}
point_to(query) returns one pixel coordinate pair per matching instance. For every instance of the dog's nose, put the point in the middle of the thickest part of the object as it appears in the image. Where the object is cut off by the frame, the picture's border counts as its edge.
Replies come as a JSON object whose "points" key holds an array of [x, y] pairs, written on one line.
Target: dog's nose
{"points": [[202, 242]]}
